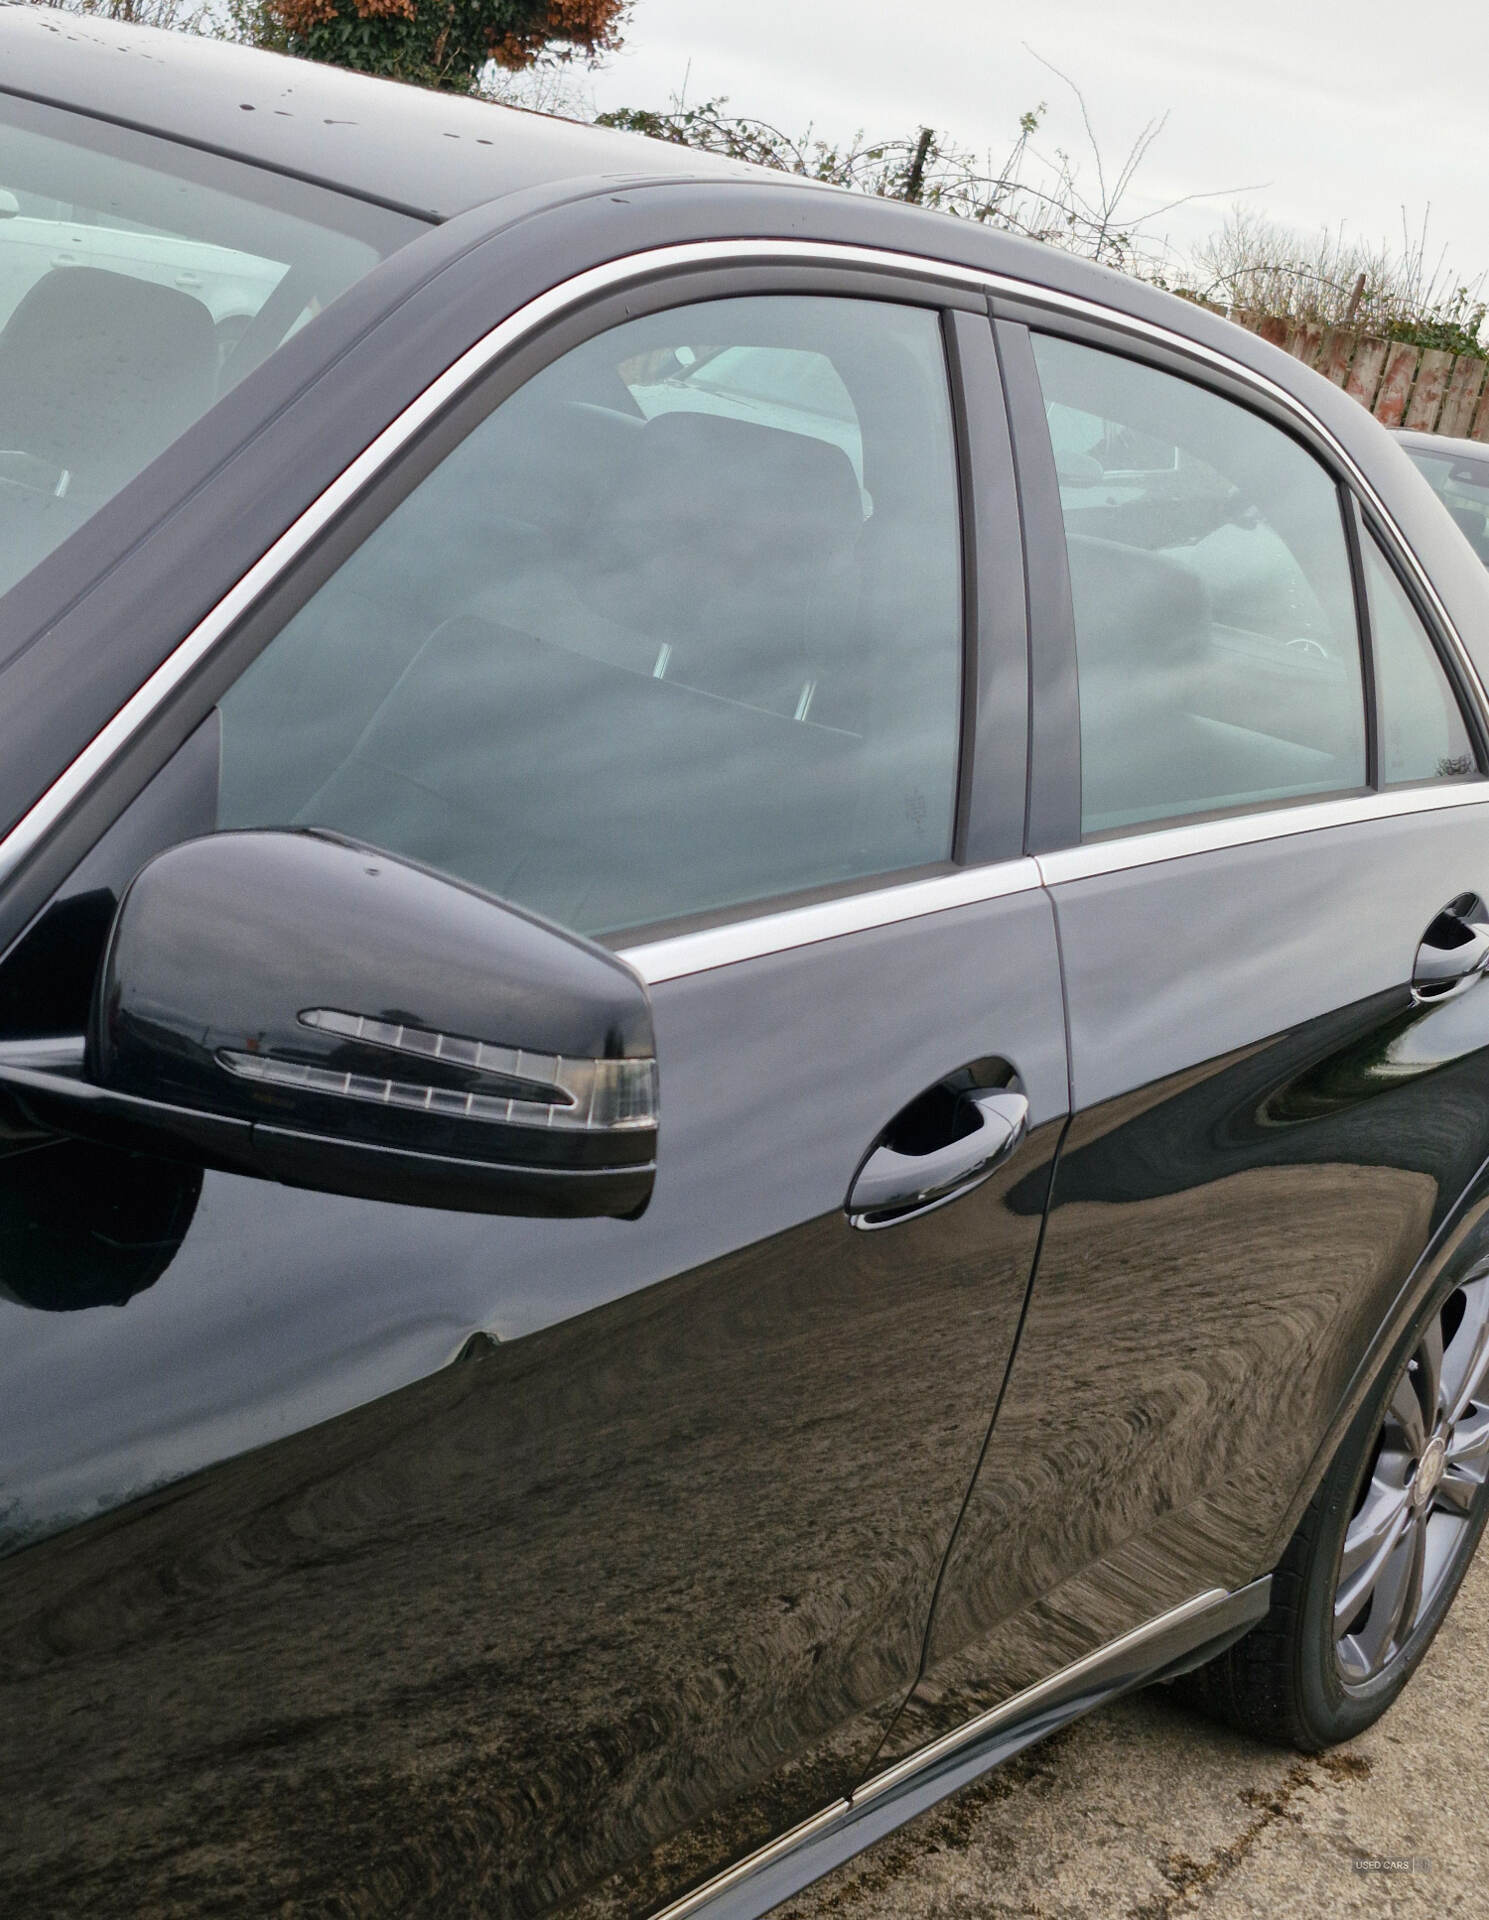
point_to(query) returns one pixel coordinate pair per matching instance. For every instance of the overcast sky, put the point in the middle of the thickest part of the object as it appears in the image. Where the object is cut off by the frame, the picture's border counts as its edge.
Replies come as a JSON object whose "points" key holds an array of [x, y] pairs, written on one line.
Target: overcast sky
{"points": [[1327, 112]]}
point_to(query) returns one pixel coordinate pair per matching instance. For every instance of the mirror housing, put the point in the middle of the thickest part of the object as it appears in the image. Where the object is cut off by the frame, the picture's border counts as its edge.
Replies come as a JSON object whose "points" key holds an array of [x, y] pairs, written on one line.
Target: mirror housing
{"points": [[299, 1007]]}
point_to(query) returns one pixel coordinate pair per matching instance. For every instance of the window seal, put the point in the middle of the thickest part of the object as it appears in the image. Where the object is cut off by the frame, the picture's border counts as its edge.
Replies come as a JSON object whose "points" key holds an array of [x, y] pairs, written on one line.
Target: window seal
{"points": [[1309, 813], [1365, 636], [992, 797]]}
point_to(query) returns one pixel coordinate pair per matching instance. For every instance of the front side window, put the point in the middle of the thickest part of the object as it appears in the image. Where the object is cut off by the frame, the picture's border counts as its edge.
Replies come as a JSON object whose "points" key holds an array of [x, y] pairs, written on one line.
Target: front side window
{"points": [[1216, 638], [139, 280], [677, 627]]}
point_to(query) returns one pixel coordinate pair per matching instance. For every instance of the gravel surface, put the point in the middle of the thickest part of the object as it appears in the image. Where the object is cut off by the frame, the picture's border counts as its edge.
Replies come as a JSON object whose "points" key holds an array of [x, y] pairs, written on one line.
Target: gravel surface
{"points": [[1143, 1811]]}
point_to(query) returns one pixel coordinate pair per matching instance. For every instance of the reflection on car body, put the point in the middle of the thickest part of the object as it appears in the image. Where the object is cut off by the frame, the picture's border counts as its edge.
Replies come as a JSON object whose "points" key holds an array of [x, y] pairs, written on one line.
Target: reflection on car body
{"points": [[743, 1040]]}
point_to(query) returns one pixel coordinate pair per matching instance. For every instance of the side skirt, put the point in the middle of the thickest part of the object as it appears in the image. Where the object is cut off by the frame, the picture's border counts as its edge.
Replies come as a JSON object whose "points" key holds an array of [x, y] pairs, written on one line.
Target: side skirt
{"points": [[1159, 1649]]}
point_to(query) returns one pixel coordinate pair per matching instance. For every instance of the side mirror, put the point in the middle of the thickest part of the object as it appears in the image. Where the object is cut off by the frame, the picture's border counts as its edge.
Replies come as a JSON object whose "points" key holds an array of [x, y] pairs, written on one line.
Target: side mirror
{"points": [[305, 1009]]}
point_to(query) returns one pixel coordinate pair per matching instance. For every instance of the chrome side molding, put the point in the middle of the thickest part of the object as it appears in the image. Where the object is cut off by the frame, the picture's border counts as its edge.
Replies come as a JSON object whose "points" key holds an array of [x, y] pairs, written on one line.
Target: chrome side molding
{"points": [[1168, 1643]]}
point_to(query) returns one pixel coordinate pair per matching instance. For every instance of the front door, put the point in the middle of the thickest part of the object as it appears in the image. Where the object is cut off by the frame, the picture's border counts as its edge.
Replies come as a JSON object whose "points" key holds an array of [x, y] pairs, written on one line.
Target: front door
{"points": [[416, 1560]]}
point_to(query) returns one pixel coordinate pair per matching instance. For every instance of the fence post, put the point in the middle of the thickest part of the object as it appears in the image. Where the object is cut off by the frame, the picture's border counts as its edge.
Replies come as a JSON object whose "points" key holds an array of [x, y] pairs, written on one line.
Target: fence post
{"points": [[1363, 383], [1335, 354], [1480, 428], [1395, 383], [1427, 393], [1463, 389]]}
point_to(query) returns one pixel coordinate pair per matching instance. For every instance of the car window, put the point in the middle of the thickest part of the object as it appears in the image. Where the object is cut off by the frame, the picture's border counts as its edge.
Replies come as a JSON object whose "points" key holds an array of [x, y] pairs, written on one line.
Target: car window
{"points": [[134, 290], [1422, 733], [1216, 638], [1462, 484], [622, 661]]}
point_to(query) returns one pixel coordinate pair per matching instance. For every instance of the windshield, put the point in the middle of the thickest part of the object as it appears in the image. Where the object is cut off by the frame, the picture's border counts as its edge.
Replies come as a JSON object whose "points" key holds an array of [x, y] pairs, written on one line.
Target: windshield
{"points": [[140, 280]]}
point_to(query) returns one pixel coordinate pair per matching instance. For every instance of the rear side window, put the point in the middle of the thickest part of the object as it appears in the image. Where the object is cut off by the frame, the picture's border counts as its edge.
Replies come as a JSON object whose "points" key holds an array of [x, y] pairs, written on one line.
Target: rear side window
{"points": [[1422, 734], [676, 627], [1216, 639], [138, 280]]}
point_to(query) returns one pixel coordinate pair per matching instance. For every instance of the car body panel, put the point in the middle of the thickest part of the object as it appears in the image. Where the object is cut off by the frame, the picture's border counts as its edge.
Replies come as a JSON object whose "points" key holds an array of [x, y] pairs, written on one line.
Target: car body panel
{"points": [[1225, 1236], [319, 122], [532, 1540]]}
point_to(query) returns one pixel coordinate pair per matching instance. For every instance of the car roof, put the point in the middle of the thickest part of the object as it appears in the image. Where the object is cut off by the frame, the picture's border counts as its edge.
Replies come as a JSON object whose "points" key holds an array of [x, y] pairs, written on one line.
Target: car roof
{"points": [[423, 152]]}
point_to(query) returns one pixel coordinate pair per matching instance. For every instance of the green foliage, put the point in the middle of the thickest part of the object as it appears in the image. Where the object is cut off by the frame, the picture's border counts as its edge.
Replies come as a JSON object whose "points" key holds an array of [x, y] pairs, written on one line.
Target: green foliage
{"points": [[1455, 326]]}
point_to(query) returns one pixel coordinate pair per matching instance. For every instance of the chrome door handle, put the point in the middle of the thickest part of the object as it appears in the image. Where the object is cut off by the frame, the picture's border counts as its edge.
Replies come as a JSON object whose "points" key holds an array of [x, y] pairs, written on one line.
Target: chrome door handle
{"points": [[893, 1186], [1454, 949]]}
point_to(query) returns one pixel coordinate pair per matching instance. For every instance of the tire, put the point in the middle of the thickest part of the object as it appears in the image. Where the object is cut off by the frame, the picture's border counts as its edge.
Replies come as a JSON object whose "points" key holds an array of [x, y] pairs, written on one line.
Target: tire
{"points": [[1368, 1577]]}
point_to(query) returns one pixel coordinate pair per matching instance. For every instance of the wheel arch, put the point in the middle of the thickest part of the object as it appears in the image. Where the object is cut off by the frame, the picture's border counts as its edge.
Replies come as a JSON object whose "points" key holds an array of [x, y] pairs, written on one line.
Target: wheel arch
{"points": [[1459, 1249]]}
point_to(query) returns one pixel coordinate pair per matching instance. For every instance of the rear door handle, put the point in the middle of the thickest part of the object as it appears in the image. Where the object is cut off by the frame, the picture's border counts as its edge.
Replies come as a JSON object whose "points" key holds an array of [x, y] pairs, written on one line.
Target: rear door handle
{"points": [[893, 1186], [1454, 949]]}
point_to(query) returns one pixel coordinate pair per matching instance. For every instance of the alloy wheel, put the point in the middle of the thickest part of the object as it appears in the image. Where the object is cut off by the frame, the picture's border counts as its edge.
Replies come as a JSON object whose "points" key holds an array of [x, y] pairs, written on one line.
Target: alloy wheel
{"points": [[1413, 1518]]}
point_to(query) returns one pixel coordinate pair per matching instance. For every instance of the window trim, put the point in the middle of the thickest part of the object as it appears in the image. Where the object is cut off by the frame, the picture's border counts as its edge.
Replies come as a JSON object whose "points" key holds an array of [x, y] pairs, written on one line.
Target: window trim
{"points": [[90, 792], [992, 797], [1276, 821], [1053, 811]]}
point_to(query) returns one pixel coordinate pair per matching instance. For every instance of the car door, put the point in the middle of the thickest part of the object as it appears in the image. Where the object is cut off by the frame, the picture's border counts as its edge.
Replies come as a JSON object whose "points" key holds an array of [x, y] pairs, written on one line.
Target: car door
{"points": [[407, 1558], [1266, 910]]}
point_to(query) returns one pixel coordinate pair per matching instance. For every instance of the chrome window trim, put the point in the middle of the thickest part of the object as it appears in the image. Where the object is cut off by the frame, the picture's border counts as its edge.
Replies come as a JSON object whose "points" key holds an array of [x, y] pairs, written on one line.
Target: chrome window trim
{"points": [[1149, 848], [748, 937]]}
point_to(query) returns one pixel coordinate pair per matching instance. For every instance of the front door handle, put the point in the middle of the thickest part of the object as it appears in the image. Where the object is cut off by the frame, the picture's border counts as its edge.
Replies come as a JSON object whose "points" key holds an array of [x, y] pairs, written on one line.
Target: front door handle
{"points": [[893, 1186], [1454, 949]]}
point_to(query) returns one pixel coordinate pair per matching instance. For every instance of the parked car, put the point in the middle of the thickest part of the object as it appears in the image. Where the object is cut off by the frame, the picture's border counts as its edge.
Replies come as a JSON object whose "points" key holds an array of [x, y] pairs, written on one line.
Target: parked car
{"points": [[718, 1092], [1458, 473]]}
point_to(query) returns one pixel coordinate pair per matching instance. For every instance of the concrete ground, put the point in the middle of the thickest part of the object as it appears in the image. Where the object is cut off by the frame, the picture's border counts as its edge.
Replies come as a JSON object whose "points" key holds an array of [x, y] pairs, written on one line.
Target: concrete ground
{"points": [[1143, 1811]]}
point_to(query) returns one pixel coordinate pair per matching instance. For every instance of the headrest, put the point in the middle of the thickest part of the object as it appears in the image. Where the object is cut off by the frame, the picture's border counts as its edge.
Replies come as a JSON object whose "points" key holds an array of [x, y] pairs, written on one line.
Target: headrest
{"points": [[724, 533], [1134, 610], [100, 372], [707, 462]]}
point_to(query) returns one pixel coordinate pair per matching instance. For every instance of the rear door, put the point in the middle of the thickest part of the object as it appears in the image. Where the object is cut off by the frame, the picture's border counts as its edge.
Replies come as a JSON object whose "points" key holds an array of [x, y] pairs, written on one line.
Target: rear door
{"points": [[1278, 833], [392, 1557]]}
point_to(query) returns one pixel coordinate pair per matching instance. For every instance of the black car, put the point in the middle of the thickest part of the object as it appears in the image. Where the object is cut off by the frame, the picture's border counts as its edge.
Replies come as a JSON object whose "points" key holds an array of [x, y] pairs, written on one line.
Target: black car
{"points": [[743, 1041]]}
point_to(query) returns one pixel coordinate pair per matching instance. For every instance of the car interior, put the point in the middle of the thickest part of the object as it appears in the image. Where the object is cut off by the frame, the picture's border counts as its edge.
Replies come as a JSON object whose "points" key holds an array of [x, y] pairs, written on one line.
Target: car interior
{"points": [[1214, 614], [623, 669], [130, 300]]}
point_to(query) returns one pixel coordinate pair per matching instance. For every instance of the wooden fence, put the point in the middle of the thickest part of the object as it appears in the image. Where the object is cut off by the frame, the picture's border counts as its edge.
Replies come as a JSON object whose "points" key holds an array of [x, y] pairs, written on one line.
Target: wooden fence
{"points": [[1403, 386]]}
